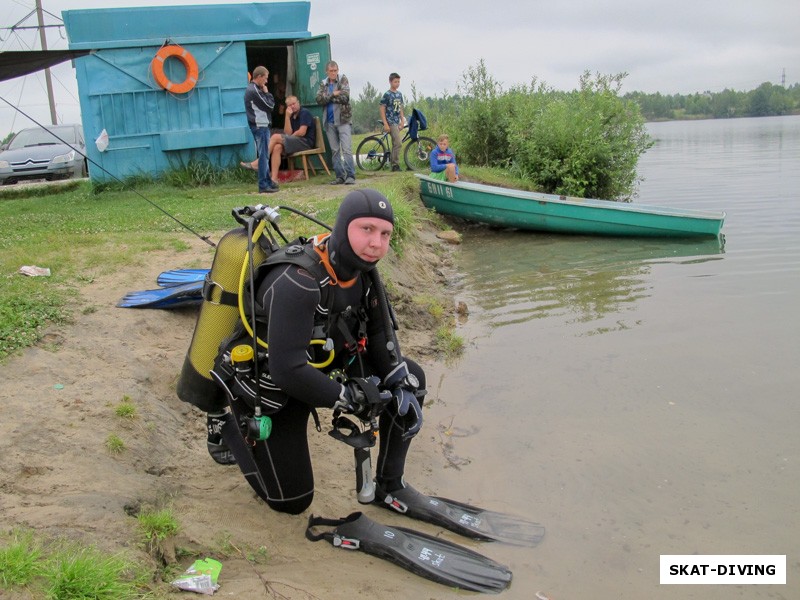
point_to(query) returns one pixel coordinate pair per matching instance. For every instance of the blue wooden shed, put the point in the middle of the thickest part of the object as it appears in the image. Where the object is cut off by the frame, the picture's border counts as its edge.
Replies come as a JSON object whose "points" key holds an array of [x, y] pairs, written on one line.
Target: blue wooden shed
{"points": [[151, 129]]}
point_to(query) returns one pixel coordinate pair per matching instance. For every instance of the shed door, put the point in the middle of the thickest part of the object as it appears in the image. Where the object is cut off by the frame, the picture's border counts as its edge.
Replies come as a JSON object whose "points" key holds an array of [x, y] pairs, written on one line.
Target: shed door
{"points": [[310, 55]]}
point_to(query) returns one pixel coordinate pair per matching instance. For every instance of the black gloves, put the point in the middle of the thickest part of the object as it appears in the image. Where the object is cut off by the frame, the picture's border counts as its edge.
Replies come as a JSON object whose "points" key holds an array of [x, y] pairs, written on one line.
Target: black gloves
{"points": [[362, 398], [404, 386]]}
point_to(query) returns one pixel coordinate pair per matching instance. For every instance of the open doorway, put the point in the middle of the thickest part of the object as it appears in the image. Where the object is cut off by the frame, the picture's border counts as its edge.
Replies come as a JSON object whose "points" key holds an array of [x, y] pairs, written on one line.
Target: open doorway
{"points": [[274, 56]]}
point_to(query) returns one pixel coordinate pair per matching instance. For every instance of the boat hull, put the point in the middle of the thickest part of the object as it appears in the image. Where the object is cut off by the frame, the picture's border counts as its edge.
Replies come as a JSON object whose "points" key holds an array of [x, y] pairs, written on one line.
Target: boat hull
{"points": [[547, 212]]}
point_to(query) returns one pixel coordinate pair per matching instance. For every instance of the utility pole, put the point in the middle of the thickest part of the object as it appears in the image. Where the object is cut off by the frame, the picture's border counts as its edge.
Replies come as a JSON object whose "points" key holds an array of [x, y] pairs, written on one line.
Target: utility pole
{"points": [[48, 80]]}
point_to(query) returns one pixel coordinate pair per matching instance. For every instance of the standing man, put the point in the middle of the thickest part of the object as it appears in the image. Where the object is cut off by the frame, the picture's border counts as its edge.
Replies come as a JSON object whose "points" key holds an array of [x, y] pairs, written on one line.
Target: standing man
{"points": [[258, 104], [334, 95], [393, 118], [299, 133]]}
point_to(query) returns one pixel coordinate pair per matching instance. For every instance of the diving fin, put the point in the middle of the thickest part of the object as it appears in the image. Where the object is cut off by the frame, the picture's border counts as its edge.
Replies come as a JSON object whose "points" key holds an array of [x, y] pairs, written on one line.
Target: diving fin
{"points": [[168, 297], [178, 276], [470, 521], [430, 557]]}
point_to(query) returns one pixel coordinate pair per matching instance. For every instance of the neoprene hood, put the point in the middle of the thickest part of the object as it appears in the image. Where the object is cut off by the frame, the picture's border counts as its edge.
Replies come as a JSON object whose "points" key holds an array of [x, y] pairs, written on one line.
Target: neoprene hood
{"points": [[357, 204]]}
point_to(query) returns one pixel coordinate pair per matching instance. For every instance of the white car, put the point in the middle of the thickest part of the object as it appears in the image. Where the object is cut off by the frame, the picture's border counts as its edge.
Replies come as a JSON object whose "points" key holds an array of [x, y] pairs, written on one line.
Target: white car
{"points": [[38, 153]]}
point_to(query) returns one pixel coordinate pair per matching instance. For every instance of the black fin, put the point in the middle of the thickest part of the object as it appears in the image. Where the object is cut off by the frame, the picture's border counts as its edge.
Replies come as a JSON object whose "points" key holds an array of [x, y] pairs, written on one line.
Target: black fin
{"points": [[430, 557], [470, 521]]}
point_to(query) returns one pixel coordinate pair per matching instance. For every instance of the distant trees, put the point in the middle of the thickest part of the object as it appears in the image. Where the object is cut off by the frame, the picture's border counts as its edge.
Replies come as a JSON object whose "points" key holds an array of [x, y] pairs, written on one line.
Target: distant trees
{"points": [[764, 101], [366, 111]]}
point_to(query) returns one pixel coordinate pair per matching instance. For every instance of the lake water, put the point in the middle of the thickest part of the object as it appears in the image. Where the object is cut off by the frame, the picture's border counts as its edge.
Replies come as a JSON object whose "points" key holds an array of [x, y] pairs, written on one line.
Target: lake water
{"points": [[639, 397]]}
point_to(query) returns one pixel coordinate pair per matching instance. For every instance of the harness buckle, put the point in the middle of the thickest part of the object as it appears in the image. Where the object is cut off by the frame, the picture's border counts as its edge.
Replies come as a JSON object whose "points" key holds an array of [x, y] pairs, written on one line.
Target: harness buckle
{"points": [[339, 541], [209, 286]]}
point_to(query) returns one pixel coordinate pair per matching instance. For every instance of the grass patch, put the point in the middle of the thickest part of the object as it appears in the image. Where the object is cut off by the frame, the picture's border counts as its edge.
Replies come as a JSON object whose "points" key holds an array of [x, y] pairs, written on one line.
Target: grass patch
{"points": [[100, 229], [448, 342], [66, 571], [126, 409], [27, 307], [114, 444], [19, 560], [86, 573], [432, 304], [157, 525]]}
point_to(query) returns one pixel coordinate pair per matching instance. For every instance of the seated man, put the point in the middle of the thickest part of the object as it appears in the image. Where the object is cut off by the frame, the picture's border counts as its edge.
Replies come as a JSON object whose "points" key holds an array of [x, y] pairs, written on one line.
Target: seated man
{"points": [[299, 133]]}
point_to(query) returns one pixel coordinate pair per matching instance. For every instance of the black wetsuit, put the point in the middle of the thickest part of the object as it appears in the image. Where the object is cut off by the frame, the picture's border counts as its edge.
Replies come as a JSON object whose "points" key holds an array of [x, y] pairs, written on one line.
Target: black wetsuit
{"points": [[286, 305]]}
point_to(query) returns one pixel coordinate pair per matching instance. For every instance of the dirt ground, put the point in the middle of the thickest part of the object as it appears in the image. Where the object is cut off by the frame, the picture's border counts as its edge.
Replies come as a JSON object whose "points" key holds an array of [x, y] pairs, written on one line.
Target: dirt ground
{"points": [[59, 478]]}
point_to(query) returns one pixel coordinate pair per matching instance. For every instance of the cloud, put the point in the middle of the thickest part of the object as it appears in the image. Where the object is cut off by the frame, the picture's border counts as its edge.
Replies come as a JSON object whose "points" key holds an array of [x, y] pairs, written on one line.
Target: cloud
{"points": [[682, 46]]}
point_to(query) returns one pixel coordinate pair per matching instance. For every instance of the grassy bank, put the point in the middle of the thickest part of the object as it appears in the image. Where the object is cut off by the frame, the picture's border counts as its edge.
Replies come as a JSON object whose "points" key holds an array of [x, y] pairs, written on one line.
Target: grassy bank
{"points": [[81, 234]]}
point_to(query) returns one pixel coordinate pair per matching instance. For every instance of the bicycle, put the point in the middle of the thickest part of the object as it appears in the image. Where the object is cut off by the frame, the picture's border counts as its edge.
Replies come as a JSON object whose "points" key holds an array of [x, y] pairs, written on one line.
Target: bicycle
{"points": [[374, 151]]}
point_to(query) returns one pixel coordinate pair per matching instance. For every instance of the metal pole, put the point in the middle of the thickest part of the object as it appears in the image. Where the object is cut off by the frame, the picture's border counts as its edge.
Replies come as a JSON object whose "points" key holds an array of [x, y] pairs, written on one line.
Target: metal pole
{"points": [[47, 78]]}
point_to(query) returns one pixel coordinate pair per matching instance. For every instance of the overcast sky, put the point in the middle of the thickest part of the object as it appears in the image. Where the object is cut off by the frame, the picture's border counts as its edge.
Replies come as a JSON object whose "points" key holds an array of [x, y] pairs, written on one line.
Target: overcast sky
{"points": [[670, 47]]}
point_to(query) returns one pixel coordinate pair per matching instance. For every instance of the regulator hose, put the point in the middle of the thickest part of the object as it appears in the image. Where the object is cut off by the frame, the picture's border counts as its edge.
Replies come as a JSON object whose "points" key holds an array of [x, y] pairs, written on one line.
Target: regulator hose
{"points": [[248, 262]]}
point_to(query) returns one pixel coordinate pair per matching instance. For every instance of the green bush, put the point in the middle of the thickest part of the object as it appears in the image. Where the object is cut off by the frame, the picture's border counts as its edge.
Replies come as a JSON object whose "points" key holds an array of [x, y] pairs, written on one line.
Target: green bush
{"points": [[586, 142], [583, 143]]}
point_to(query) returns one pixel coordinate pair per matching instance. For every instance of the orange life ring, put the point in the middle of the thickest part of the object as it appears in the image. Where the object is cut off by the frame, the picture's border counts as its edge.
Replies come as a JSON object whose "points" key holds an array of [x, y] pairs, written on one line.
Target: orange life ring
{"points": [[188, 62]]}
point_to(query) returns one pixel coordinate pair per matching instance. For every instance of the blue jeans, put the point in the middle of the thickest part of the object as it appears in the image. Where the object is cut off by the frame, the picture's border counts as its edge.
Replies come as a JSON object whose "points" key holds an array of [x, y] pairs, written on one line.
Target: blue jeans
{"points": [[340, 139], [261, 137]]}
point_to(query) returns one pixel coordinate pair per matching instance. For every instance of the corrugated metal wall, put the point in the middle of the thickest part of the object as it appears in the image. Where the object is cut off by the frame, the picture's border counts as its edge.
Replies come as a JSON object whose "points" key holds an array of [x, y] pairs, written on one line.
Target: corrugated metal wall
{"points": [[150, 129]]}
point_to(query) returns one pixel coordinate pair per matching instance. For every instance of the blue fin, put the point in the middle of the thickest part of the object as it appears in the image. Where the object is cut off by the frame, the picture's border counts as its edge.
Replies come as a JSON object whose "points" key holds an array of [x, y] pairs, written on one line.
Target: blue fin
{"points": [[167, 297], [178, 276], [430, 557]]}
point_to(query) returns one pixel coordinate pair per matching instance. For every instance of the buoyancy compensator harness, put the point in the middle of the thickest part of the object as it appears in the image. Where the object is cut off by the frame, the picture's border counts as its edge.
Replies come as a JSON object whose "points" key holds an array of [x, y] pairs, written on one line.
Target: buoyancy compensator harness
{"points": [[227, 361]]}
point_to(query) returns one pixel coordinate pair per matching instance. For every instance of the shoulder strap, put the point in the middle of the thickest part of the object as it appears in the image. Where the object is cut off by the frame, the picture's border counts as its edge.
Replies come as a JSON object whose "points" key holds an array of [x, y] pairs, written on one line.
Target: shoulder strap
{"points": [[301, 253]]}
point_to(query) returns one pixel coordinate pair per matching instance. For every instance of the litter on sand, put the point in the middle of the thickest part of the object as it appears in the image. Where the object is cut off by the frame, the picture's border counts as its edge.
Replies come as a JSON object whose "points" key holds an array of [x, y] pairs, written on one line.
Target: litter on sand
{"points": [[33, 271], [200, 577]]}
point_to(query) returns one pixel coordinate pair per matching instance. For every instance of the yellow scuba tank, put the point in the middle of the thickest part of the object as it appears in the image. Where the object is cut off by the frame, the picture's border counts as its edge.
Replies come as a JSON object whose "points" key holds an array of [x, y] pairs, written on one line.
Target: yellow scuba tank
{"points": [[219, 315]]}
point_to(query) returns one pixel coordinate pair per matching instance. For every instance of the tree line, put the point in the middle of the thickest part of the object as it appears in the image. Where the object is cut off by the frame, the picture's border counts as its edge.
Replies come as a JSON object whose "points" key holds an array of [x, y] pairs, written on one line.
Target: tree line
{"points": [[765, 101]]}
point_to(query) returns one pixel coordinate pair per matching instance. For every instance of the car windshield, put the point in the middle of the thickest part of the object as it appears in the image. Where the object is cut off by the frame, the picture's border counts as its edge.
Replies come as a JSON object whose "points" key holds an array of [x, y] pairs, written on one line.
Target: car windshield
{"points": [[38, 136]]}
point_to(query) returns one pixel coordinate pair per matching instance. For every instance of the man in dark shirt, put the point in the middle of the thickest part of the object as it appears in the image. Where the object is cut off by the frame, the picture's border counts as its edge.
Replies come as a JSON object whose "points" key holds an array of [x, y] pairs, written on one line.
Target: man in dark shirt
{"points": [[299, 133]]}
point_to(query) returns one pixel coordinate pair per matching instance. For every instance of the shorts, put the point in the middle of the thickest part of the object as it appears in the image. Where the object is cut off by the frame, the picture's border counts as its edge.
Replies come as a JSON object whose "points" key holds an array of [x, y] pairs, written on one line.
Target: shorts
{"points": [[292, 144], [441, 176]]}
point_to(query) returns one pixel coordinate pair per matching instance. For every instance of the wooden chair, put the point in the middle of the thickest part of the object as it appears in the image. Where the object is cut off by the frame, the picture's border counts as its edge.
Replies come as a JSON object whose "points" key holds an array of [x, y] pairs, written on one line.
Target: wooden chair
{"points": [[319, 150]]}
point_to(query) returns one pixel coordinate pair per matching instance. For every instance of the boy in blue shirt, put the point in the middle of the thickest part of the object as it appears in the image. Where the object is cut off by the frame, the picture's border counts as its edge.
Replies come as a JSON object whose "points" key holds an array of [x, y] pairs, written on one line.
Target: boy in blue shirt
{"points": [[443, 161], [393, 118]]}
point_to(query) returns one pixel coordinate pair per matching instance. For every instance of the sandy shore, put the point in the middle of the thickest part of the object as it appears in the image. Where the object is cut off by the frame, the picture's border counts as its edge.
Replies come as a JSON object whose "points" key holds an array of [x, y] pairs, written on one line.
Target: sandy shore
{"points": [[59, 478]]}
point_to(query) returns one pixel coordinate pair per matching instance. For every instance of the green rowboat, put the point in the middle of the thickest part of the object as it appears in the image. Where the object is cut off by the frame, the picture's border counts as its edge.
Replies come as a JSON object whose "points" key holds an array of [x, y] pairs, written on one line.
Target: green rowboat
{"points": [[562, 214]]}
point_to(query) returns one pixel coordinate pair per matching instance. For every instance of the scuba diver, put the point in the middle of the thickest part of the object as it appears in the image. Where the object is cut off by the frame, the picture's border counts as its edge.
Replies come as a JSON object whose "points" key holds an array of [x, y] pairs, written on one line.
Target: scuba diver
{"points": [[322, 290], [315, 330]]}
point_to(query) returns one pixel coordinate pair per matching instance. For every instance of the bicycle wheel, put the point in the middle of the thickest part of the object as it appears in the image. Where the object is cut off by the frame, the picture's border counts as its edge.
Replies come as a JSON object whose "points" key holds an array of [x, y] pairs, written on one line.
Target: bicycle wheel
{"points": [[417, 154], [371, 154]]}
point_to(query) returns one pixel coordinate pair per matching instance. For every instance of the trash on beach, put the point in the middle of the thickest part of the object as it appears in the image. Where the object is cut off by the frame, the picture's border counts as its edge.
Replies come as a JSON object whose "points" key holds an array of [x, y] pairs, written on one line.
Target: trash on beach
{"points": [[33, 271], [200, 577]]}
